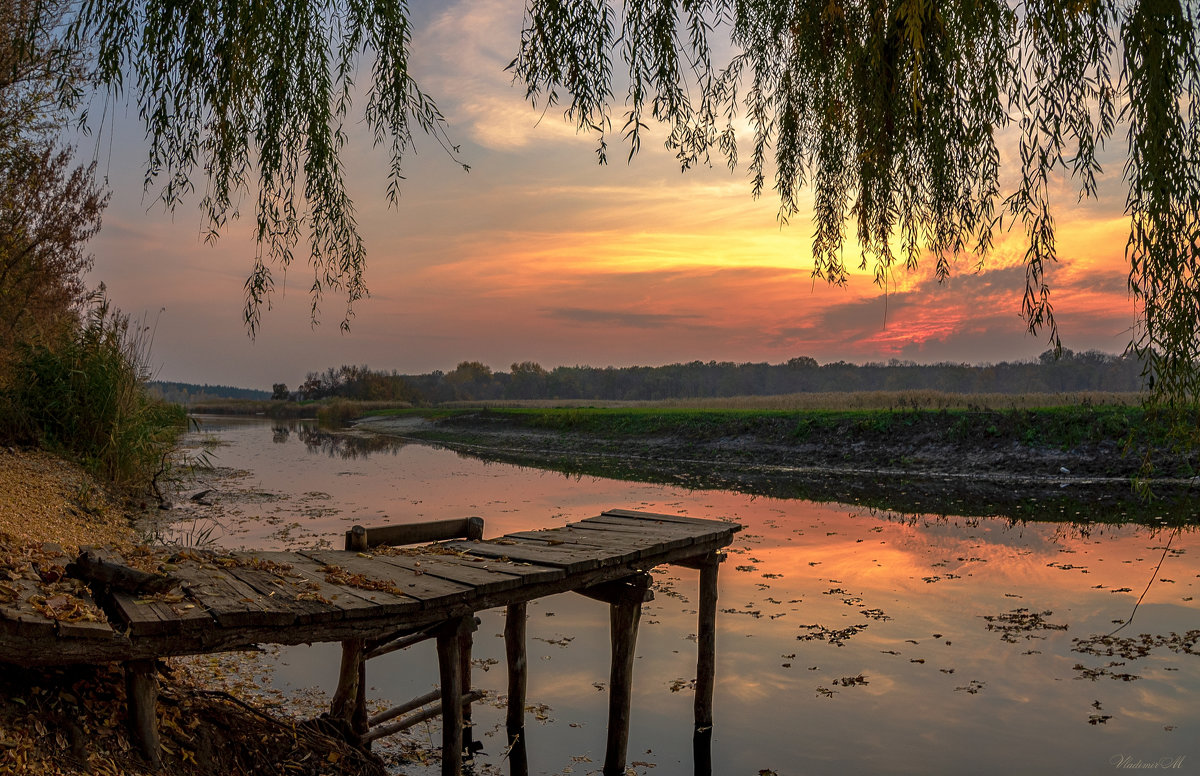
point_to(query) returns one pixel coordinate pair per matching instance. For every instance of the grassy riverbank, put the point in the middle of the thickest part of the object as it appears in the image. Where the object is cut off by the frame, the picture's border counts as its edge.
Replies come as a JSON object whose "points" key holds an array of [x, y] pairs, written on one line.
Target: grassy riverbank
{"points": [[1065, 427], [1129, 428], [1065, 461]]}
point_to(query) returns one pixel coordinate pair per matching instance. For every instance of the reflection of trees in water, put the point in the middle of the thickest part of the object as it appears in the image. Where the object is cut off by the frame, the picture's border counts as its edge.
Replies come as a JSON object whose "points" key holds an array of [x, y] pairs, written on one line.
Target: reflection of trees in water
{"points": [[346, 445], [911, 496], [280, 434]]}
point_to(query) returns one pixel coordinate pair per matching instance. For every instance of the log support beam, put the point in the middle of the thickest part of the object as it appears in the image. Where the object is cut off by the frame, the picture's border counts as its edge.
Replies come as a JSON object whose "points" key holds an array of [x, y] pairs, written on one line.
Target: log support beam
{"points": [[349, 683], [518, 669], [465, 638], [360, 539], [382, 726], [450, 640], [141, 687], [706, 643], [625, 610], [400, 640]]}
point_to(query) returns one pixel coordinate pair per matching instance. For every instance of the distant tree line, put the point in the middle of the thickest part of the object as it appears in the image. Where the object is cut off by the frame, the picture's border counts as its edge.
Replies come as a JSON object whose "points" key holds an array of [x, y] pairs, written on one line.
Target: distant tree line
{"points": [[190, 393], [473, 381]]}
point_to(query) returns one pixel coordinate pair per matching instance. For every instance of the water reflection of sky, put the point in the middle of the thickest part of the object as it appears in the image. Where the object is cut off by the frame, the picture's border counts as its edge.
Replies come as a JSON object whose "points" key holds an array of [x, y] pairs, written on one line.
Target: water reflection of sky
{"points": [[943, 693]]}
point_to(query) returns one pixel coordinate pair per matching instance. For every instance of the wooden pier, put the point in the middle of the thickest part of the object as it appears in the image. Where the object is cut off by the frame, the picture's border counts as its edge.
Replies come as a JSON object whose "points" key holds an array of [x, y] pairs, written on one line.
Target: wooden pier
{"points": [[377, 596]]}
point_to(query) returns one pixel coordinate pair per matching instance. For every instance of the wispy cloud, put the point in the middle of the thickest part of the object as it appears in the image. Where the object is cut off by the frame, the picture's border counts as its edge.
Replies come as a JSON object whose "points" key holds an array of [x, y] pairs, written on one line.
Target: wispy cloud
{"points": [[466, 50], [617, 318]]}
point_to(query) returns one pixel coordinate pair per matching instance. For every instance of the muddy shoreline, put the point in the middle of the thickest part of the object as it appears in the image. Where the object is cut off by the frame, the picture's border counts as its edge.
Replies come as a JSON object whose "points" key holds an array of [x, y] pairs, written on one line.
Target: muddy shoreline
{"points": [[925, 465]]}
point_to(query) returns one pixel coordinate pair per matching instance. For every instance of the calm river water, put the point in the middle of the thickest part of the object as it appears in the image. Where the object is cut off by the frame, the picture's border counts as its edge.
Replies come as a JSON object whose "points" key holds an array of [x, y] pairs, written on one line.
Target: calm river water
{"points": [[849, 640]]}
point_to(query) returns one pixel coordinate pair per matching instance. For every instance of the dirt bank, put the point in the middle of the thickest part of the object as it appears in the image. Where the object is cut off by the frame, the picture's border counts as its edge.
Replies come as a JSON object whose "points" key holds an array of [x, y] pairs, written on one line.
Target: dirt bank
{"points": [[961, 463], [73, 720]]}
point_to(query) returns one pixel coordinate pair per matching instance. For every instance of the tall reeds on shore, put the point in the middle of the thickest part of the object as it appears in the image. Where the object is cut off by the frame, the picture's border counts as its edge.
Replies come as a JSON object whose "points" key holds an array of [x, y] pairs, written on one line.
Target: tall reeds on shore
{"points": [[82, 393]]}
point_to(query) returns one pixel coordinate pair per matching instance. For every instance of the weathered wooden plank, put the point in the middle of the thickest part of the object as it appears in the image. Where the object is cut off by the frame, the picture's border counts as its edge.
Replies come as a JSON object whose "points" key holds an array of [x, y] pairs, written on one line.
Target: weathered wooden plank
{"points": [[528, 573], [51, 650], [142, 616], [713, 531], [661, 540], [146, 615], [293, 591], [19, 616], [386, 601], [606, 554], [431, 590], [557, 537], [664, 518], [629, 547], [191, 615], [485, 576], [85, 629], [30, 622], [232, 603], [350, 602], [631, 540], [26, 623], [651, 527], [572, 561]]}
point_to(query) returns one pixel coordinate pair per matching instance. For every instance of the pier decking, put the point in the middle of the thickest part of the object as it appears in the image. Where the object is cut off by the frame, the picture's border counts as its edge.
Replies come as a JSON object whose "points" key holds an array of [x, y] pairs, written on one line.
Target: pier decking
{"points": [[374, 597]]}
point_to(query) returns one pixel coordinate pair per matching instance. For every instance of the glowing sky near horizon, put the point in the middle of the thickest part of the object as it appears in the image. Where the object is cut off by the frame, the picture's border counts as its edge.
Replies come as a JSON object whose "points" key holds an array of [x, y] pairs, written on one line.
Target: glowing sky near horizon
{"points": [[539, 254]]}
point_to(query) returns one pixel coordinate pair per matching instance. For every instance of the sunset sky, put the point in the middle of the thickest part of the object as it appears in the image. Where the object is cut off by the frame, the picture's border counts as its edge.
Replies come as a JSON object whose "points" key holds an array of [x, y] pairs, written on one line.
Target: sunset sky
{"points": [[540, 254]]}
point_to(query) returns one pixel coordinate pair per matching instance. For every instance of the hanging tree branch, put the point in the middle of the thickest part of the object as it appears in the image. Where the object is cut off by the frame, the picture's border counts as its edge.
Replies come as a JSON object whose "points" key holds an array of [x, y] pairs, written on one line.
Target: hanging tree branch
{"points": [[888, 110]]}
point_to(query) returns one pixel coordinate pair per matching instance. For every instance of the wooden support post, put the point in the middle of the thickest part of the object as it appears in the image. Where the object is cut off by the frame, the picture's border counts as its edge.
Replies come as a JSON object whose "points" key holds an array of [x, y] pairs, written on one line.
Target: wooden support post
{"points": [[345, 698], [518, 669], [464, 663], [141, 688], [356, 539], [358, 719], [475, 528], [624, 614], [449, 647], [518, 758], [702, 752], [706, 643]]}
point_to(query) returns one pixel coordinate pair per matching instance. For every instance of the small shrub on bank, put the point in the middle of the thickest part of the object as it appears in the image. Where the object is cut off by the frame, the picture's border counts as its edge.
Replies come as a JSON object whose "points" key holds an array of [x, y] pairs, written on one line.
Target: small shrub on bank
{"points": [[83, 394]]}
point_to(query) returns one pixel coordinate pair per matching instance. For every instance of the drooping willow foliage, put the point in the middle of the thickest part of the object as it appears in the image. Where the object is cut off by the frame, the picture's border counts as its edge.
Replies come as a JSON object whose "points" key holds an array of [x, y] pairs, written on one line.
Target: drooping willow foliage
{"points": [[888, 111], [256, 93]]}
